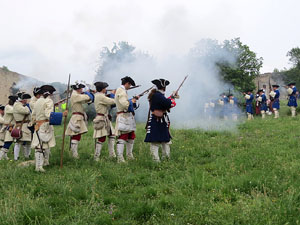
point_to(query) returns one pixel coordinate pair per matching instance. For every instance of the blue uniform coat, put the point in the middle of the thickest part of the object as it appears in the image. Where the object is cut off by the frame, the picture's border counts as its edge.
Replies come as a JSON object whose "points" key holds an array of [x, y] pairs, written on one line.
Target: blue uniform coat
{"points": [[293, 98], [158, 128], [249, 108], [263, 103], [276, 104]]}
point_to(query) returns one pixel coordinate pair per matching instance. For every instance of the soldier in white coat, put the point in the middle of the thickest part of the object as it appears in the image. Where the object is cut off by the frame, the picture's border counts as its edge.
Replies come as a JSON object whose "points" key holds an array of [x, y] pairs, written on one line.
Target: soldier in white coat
{"points": [[102, 124], [125, 122], [78, 122], [37, 93], [22, 116], [9, 123], [43, 137], [2, 133]]}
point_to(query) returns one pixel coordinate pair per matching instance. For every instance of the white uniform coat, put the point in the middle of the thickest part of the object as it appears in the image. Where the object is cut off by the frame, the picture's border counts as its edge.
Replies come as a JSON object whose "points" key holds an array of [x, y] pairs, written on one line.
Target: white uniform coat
{"points": [[2, 131], [124, 119], [41, 115], [78, 123], [8, 121], [102, 106], [20, 112]]}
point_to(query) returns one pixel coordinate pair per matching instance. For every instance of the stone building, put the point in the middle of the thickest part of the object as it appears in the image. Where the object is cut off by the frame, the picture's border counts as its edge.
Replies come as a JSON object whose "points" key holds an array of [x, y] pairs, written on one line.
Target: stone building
{"points": [[264, 81]]}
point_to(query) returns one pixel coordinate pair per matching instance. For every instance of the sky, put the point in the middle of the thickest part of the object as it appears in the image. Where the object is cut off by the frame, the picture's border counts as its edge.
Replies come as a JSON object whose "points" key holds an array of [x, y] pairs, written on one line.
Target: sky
{"points": [[48, 40]]}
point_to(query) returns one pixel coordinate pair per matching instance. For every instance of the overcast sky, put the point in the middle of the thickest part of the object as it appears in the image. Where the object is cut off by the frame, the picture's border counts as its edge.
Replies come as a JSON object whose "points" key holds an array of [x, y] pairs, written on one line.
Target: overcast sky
{"points": [[49, 39]]}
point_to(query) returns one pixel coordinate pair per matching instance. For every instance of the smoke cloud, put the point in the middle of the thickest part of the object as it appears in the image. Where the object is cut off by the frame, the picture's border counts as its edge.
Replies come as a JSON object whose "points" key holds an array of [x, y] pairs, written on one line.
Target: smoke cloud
{"points": [[203, 84]]}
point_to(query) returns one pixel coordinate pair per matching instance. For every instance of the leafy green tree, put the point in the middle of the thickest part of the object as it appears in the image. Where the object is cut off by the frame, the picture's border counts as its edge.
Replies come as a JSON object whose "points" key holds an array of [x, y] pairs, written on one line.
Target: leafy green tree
{"points": [[246, 67], [293, 74], [294, 55]]}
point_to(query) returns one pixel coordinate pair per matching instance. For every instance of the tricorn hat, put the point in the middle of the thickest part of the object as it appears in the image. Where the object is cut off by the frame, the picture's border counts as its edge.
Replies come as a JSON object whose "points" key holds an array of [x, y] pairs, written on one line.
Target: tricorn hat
{"points": [[47, 89], [249, 90], [2, 107], [292, 83], [275, 85], [161, 83], [19, 94], [230, 95], [100, 85], [77, 86], [13, 98], [37, 91], [128, 79], [260, 90], [25, 96]]}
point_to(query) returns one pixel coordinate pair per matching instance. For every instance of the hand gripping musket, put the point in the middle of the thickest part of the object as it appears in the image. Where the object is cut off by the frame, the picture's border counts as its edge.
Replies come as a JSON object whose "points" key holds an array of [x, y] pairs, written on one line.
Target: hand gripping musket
{"points": [[65, 125], [175, 94], [63, 100], [143, 93]]}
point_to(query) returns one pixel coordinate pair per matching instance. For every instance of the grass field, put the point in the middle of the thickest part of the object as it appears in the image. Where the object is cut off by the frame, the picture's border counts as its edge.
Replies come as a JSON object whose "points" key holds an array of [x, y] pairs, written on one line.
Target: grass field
{"points": [[250, 176]]}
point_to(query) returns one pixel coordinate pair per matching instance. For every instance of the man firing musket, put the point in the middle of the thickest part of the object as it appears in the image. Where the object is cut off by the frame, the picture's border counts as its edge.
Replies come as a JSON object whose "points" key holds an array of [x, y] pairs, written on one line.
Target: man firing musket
{"points": [[77, 124], [158, 124], [125, 122]]}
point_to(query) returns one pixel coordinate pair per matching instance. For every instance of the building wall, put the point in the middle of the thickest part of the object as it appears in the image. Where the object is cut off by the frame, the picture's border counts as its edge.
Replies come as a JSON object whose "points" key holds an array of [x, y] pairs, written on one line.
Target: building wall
{"points": [[264, 81]]}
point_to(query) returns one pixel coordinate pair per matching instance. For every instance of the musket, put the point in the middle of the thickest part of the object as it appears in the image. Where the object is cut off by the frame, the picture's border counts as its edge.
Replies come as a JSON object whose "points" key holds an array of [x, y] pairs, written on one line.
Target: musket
{"points": [[143, 93], [65, 125], [61, 101], [133, 87], [176, 92]]}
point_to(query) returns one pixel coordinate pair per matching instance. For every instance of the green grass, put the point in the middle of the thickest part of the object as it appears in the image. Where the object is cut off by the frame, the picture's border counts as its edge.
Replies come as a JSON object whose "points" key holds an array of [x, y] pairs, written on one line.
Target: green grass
{"points": [[250, 176]]}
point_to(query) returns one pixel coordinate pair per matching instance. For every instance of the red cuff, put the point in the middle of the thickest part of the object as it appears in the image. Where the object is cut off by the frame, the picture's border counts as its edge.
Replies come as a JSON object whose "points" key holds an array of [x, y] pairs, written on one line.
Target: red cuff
{"points": [[173, 102]]}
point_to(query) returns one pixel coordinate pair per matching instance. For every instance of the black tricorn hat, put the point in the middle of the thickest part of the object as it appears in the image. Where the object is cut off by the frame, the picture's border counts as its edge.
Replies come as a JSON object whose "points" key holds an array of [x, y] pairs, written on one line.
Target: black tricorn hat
{"points": [[47, 88], [128, 79], [13, 98], [230, 95], [2, 107], [25, 96], [19, 94], [161, 83], [77, 86], [249, 90], [292, 83], [275, 85], [37, 91], [100, 85], [260, 90]]}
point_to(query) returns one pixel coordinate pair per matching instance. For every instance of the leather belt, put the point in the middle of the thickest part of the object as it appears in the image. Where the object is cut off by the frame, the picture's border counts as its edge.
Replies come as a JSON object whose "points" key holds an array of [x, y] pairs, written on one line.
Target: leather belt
{"points": [[26, 121], [39, 123], [100, 114], [78, 113], [42, 121]]}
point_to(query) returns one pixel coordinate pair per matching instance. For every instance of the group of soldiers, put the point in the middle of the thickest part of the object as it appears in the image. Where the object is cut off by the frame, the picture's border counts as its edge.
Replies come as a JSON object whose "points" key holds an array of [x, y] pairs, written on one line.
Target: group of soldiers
{"points": [[225, 107], [26, 121], [271, 105]]}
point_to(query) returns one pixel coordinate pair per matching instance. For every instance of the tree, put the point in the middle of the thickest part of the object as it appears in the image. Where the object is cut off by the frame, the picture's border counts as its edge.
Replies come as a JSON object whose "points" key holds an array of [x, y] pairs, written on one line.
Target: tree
{"points": [[294, 55], [293, 74], [123, 60], [246, 67]]}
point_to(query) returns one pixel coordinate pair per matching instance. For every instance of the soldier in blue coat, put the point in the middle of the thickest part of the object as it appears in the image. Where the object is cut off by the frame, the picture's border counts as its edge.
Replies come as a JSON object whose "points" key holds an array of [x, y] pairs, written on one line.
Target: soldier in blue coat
{"points": [[249, 108], [274, 97], [262, 99], [158, 121], [292, 92]]}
